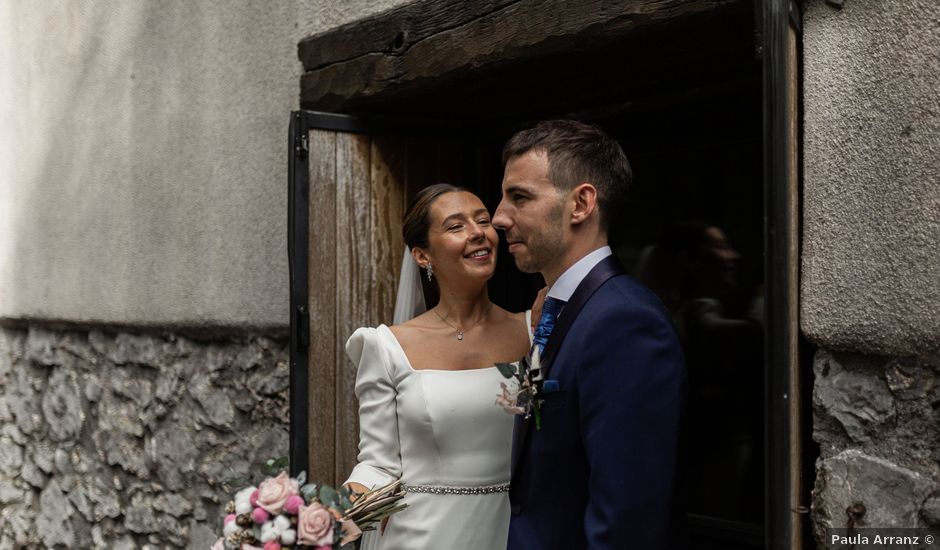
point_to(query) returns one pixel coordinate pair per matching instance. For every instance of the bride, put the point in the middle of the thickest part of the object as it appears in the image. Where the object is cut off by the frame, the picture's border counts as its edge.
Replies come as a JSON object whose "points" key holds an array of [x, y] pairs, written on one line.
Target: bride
{"points": [[427, 388]]}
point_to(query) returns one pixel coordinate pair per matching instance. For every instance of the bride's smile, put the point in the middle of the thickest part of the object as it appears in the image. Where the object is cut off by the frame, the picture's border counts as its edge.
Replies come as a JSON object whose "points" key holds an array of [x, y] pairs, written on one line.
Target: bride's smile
{"points": [[461, 236]]}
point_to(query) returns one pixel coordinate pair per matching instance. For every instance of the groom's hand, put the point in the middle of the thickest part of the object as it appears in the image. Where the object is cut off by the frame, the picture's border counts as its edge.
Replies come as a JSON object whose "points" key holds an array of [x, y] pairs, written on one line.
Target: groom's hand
{"points": [[537, 307]]}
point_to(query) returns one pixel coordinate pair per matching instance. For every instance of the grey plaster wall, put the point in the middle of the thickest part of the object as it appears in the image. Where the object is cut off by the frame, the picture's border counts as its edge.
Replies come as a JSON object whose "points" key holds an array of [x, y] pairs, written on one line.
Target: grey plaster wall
{"points": [[871, 200], [143, 158]]}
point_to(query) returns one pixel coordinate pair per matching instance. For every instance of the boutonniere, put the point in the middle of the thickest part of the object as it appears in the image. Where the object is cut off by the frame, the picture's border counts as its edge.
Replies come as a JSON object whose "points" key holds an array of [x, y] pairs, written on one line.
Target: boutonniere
{"points": [[524, 399]]}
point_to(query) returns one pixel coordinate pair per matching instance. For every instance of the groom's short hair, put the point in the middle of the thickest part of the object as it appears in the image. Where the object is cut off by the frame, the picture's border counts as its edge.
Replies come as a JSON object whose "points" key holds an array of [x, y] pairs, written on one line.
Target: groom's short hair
{"points": [[577, 153]]}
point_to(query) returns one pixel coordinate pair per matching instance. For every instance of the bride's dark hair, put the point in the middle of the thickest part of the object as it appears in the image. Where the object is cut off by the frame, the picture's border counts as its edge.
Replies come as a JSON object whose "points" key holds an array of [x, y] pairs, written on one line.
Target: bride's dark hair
{"points": [[417, 220]]}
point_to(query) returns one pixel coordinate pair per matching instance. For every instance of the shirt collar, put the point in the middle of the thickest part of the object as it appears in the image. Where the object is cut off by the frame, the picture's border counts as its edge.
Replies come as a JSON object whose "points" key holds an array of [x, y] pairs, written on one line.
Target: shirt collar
{"points": [[565, 286]]}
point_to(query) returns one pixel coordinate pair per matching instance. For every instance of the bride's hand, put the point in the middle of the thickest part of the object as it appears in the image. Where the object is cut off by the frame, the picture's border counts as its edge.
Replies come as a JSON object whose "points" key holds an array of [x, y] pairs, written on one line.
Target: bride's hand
{"points": [[537, 307], [356, 490]]}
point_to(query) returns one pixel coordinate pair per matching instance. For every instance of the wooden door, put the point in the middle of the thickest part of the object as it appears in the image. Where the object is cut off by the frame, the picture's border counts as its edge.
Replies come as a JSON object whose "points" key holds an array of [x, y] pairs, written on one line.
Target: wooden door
{"points": [[347, 256]]}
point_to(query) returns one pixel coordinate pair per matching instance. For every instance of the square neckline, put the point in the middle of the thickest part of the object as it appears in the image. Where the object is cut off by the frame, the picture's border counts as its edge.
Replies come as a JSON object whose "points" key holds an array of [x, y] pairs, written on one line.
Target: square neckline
{"points": [[401, 350]]}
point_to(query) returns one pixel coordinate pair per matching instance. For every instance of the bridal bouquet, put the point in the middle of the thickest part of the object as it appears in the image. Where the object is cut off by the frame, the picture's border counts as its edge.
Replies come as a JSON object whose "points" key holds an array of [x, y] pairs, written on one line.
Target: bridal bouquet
{"points": [[284, 512]]}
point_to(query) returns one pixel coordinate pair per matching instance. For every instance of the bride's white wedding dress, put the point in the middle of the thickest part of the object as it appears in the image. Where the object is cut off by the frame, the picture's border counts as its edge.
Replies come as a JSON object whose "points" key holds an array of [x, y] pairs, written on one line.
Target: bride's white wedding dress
{"points": [[441, 432]]}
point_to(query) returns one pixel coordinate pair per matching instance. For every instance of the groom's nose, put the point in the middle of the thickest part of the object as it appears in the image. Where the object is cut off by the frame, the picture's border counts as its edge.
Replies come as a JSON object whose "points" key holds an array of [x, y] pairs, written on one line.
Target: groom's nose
{"points": [[500, 220]]}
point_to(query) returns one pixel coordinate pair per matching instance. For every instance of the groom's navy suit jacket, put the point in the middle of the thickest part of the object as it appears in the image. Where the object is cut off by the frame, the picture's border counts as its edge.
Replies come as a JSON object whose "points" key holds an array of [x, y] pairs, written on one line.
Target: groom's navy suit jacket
{"points": [[601, 471]]}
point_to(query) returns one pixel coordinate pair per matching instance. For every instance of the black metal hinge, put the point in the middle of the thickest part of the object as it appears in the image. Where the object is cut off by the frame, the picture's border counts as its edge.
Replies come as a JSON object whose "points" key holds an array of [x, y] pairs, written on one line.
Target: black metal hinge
{"points": [[303, 328], [300, 144]]}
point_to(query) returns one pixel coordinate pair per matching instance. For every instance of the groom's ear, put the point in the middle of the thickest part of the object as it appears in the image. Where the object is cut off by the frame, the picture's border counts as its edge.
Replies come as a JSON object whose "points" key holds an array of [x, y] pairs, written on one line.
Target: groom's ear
{"points": [[584, 196]]}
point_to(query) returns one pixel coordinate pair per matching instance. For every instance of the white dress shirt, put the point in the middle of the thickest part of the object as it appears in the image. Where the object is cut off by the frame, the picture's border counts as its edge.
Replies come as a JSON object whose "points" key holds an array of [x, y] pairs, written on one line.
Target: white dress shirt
{"points": [[565, 286]]}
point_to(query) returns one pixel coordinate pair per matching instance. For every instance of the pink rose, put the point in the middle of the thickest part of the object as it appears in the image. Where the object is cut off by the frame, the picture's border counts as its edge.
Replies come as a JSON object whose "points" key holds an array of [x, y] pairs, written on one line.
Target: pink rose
{"points": [[219, 545], [315, 526], [273, 492], [272, 545]]}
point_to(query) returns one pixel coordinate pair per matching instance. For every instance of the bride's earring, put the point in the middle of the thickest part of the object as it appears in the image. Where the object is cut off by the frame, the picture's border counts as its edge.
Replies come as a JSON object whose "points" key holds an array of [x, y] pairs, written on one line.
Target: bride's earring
{"points": [[430, 271]]}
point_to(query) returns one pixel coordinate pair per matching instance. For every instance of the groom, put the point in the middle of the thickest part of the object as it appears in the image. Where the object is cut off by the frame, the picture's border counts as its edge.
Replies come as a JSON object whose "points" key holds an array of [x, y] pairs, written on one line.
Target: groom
{"points": [[600, 471]]}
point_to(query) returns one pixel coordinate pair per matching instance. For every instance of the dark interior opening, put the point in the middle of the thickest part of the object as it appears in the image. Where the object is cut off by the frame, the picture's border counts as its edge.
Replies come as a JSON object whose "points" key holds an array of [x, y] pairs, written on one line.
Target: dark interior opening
{"points": [[685, 102]]}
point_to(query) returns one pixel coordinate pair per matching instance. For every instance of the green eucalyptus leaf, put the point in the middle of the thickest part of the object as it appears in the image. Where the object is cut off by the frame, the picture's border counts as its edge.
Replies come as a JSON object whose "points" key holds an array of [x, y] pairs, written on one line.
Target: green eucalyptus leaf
{"points": [[508, 370], [328, 496], [309, 492]]}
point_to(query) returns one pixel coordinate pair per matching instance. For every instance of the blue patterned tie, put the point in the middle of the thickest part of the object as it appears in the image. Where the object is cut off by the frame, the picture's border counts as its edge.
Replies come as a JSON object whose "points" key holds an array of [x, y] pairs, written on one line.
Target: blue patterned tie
{"points": [[546, 322]]}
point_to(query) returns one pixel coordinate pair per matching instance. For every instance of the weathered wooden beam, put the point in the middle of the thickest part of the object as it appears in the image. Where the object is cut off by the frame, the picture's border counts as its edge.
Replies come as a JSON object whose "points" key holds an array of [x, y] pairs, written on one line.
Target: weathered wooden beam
{"points": [[441, 40]]}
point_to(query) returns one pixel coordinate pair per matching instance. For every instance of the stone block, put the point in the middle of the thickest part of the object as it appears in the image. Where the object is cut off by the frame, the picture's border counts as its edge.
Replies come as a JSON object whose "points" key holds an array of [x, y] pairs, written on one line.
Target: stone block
{"points": [[20, 521], [11, 457], [172, 504], [139, 516], [81, 502], [930, 512], [909, 379], [871, 132], [54, 521], [858, 400], [215, 407], [42, 348], [891, 495], [43, 455], [105, 499], [10, 493], [136, 349], [202, 535], [31, 474], [132, 385], [24, 402], [62, 406], [173, 455]]}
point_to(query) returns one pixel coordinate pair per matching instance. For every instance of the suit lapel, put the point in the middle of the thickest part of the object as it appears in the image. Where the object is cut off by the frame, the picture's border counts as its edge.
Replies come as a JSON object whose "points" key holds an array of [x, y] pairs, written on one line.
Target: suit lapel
{"points": [[604, 270], [600, 274]]}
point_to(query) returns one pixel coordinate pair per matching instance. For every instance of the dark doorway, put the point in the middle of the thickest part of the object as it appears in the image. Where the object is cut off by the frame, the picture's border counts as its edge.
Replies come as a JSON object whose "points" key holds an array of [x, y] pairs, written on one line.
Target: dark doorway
{"points": [[684, 98]]}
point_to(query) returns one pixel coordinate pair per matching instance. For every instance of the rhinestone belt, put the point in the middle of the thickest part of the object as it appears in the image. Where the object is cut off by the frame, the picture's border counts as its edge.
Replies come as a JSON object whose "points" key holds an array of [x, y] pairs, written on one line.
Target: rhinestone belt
{"points": [[442, 490]]}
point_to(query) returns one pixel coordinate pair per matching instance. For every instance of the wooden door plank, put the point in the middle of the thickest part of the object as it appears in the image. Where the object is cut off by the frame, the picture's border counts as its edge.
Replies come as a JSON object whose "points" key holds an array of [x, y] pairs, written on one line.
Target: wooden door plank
{"points": [[388, 206], [353, 283], [322, 281]]}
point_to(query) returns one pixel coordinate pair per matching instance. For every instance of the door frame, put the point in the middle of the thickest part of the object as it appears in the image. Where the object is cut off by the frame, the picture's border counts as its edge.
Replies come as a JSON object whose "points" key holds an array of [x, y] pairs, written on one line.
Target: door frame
{"points": [[784, 387], [780, 27]]}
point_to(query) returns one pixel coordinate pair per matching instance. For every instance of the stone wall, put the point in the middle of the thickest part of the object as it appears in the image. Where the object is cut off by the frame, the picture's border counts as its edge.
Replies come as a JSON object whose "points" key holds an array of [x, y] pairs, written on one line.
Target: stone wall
{"points": [[117, 440], [877, 421], [869, 299]]}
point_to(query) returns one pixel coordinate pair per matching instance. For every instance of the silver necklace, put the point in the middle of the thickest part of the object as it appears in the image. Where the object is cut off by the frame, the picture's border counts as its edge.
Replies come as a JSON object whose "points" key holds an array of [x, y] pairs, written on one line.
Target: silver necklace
{"points": [[460, 332]]}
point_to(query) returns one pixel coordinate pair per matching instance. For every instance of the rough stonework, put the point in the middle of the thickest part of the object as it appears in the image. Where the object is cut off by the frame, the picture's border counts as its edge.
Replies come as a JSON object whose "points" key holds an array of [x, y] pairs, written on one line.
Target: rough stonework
{"points": [[877, 421], [127, 441], [889, 495]]}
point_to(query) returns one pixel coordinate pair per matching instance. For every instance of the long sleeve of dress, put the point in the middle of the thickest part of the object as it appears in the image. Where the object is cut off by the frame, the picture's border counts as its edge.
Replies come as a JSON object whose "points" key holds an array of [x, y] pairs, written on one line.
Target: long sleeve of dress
{"points": [[379, 449]]}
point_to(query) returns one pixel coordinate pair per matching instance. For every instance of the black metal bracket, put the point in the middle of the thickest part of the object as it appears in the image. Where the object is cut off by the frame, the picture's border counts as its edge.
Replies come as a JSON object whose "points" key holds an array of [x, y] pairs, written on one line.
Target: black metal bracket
{"points": [[298, 197]]}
